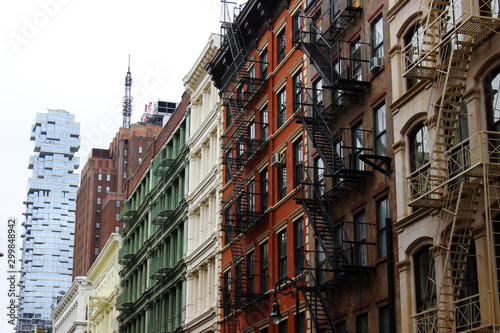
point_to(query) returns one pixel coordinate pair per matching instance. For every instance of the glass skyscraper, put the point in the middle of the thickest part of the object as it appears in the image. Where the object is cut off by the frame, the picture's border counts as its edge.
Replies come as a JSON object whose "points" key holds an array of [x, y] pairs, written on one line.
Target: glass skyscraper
{"points": [[47, 259]]}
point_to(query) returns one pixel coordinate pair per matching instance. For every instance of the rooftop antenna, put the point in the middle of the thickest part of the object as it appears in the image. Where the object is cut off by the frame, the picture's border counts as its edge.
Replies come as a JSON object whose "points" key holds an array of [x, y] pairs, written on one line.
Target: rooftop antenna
{"points": [[127, 99]]}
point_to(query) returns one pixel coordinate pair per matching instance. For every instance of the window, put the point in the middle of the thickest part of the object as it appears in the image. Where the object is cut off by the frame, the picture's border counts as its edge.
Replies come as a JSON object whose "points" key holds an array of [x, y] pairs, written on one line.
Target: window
{"points": [[97, 225], [424, 275], [99, 177], [117, 216], [99, 189], [107, 189], [117, 229], [341, 327], [361, 253], [250, 273], [378, 37], [383, 319], [298, 159], [229, 156], [251, 80], [264, 118], [125, 163], [297, 27], [298, 237], [118, 203], [419, 148], [380, 131], [283, 326], [140, 149], [492, 96], [318, 95], [357, 140], [228, 224], [281, 182], [124, 187], [238, 282], [382, 215], [282, 254], [471, 318], [297, 91], [226, 293], [356, 60], [281, 107], [229, 116], [98, 201], [281, 45], [96, 238], [263, 64], [96, 250], [125, 175], [362, 323], [264, 268], [413, 44], [125, 151], [251, 196], [140, 160], [98, 212], [264, 188], [319, 178], [302, 322], [108, 178]]}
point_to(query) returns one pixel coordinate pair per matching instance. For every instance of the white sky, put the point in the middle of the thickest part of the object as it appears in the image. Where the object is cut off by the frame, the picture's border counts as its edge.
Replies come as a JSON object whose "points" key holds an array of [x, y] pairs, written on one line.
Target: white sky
{"points": [[72, 55]]}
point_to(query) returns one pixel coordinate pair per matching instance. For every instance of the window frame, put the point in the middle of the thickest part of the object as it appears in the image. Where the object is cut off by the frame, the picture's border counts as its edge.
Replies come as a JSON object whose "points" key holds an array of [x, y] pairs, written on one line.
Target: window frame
{"points": [[281, 43], [380, 131], [377, 43], [264, 267], [360, 237], [382, 227], [282, 178], [281, 105], [298, 245], [264, 189], [298, 97], [282, 253], [298, 161], [264, 64]]}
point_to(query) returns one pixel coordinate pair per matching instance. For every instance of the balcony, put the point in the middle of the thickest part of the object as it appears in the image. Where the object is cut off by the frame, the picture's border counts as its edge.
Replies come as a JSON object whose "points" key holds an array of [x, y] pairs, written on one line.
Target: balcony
{"points": [[128, 211]]}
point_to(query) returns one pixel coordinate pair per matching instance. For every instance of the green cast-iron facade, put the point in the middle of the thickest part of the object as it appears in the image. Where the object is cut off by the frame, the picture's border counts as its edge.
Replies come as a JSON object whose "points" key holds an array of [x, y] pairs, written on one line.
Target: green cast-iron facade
{"points": [[153, 277]]}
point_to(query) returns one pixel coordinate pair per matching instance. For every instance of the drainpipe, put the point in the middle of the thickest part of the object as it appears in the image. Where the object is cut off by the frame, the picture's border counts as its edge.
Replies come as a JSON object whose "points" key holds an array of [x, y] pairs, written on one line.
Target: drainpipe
{"points": [[390, 276]]}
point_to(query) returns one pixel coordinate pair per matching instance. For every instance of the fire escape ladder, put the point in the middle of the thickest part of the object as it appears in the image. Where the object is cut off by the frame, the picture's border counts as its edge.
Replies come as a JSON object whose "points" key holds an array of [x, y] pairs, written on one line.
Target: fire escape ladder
{"points": [[316, 303], [461, 205]]}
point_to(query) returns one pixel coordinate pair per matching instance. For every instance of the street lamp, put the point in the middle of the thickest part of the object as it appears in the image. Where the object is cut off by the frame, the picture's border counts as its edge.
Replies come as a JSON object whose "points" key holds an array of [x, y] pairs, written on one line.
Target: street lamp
{"points": [[285, 286]]}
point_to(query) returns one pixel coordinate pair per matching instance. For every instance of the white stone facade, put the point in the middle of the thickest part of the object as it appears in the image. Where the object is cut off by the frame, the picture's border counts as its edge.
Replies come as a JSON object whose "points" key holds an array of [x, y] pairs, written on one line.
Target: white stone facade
{"points": [[70, 312], [106, 286], [411, 107], [203, 197]]}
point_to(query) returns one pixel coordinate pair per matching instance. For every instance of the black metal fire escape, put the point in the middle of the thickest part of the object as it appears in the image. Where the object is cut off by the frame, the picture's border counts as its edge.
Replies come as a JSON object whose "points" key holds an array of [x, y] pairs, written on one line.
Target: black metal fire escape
{"points": [[341, 153], [240, 144]]}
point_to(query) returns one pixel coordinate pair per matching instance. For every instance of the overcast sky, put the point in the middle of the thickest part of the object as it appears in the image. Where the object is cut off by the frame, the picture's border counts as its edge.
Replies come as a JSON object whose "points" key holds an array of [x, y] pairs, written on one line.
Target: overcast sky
{"points": [[72, 55]]}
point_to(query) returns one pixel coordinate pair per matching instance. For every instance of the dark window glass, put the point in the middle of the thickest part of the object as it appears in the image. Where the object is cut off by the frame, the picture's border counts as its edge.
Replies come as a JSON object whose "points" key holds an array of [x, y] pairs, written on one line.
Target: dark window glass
{"points": [[424, 275], [297, 91], [282, 255], [281, 45], [281, 107], [263, 64], [378, 38], [264, 268], [362, 323], [383, 319], [356, 72], [250, 273], [360, 238], [419, 148], [380, 131], [382, 214], [298, 159], [264, 188], [298, 233], [281, 182], [297, 26]]}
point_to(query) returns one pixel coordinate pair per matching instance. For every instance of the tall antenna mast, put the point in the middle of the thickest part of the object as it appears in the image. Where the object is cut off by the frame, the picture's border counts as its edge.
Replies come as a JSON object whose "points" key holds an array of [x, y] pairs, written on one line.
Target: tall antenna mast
{"points": [[127, 99]]}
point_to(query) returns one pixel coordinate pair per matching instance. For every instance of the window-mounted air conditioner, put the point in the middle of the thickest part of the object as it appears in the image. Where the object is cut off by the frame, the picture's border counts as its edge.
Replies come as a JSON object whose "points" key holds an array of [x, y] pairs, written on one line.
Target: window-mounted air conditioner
{"points": [[376, 62], [278, 160]]}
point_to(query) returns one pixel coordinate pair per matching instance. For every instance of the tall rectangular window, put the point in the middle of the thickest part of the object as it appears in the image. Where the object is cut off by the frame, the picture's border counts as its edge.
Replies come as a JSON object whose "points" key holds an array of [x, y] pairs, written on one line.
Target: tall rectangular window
{"points": [[250, 273], [229, 116], [283, 326], [238, 283], [319, 176], [318, 95], [298, 237], [107, 189], [382, 215], [281, 107], [297, 91], [360, 239], [228, 224], [378, 38], [281, 45], [264, 190], [98, 201], [264, 118], [108, 178], [356, 71], [282, 255], [251, 196], [281, 182], [264, 268], [117, 217], [99, 176], [383, 319], [358, 143], [140, 149], [99, 189], [297, 27], [362, 323], [118, 203], [298, 159], [226, 293], [263, 64], [380, 131]]}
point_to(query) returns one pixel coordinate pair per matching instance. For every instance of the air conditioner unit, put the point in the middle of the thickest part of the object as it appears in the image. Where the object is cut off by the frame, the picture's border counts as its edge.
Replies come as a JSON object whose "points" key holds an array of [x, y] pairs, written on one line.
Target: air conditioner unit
{"points": [[278, 160], [375, 63]]}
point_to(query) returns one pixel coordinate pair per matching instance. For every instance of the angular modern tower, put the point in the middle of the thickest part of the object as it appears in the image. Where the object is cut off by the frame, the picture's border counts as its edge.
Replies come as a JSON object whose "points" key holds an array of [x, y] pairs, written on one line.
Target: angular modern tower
{"points": [[47, 258]]}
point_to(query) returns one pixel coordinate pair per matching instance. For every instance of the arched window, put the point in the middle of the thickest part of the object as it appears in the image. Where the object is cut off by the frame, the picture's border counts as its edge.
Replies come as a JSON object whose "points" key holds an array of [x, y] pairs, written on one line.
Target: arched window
{"points": [[492, 98], [425, 291], [419, 147], [413, 41]]}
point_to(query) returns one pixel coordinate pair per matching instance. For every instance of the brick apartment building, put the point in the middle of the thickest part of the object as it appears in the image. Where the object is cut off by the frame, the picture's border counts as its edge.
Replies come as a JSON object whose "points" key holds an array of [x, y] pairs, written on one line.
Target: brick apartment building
{"points": [[102, 191]]}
